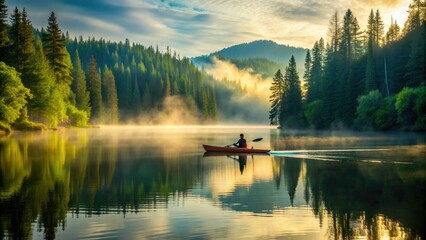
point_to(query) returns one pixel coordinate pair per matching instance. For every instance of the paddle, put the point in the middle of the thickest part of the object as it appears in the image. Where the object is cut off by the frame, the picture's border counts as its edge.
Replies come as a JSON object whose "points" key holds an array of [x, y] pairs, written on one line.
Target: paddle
{"points": [[254, 140]]}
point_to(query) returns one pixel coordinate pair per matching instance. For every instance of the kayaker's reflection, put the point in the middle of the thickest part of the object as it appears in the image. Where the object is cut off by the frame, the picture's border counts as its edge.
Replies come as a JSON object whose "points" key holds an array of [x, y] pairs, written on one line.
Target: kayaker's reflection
{"points": [[242, 161]]}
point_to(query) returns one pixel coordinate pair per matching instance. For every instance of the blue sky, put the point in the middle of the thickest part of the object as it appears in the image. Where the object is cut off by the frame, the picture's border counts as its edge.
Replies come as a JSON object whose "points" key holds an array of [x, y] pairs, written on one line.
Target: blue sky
{"points": [[197, 27]]}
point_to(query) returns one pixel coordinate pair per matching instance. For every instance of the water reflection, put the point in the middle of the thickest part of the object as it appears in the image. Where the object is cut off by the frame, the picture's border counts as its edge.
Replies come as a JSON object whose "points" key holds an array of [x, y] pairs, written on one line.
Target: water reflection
{"points": [[52, 178]]}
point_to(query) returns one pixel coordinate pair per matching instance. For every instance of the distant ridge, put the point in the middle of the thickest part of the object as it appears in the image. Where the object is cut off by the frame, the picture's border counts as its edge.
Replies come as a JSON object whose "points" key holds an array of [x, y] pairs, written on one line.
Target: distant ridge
{"points": [[260, 49], [263, 49]]}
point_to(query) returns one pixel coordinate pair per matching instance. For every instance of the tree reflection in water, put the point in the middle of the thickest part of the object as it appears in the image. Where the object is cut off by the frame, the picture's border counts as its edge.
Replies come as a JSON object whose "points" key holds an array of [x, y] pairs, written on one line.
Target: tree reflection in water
{"points": [[45, 176]]}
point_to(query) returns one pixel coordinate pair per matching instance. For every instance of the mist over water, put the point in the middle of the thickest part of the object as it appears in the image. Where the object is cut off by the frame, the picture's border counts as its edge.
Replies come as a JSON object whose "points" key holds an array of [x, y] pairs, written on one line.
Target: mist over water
{"points": [[174, 110], [139, 182], [251, 106]]}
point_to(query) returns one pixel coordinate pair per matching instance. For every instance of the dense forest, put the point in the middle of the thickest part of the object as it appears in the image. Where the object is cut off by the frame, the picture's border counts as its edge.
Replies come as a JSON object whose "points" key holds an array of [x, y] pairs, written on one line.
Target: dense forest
{"points": [[49, 80], [368, 79]]}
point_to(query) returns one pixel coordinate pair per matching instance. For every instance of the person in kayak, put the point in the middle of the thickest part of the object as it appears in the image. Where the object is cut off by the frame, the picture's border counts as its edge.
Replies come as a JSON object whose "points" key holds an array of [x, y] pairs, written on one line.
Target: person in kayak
{"points": [[241, 143]]}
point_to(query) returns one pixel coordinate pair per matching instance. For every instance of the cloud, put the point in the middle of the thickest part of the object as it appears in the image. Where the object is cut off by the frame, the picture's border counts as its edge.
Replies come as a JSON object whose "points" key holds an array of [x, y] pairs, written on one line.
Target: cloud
{"points": [[193, 27]]}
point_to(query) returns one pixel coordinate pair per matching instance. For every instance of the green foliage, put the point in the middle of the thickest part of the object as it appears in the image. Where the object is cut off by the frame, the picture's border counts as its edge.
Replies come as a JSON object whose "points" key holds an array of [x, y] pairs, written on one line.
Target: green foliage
{"points": [[410, 106], [316, 70], [4, 35], [110, 99], [367, 106], [95, 90], [277, 91], [291, 111], [314, 114], [144, 77], [26, 125], [13, 94], [5, 127], [405, 102], [79, 86], [375, 112], [56, 52], [357, 66], [76, 117]]}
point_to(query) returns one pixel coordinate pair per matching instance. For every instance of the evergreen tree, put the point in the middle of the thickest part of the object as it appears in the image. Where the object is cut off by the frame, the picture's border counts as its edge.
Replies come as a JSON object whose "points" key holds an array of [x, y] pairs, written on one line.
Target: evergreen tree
{"points": [[334, 32], [314, 85], [416, 65], [291, 111], [136, 99], [95, 90], [111, 100], [16, 37], [56, 53], [277, 91], [378, 29], [308, 70], [416, 15], [47, 105], [393, 33], [331, 86], [370, 71], [4, 36], [79, 86], [350, 43], [146, 98]]}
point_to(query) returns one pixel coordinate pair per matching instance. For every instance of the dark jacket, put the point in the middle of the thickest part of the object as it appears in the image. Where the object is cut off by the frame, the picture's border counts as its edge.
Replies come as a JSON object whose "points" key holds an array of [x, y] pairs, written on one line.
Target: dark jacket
{"points": [[242, 143]]}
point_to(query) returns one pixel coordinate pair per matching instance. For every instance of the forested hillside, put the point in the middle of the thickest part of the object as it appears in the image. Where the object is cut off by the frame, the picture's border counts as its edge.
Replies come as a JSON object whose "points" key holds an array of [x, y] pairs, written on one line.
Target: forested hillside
{"points": [[145, 76], [263, 56], [368, 79], [48, 79]]}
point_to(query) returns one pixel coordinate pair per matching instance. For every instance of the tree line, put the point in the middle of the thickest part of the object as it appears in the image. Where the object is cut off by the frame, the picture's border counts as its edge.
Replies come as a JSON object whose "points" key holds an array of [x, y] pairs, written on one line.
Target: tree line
{"points": [[48, 79], [368, 79]]}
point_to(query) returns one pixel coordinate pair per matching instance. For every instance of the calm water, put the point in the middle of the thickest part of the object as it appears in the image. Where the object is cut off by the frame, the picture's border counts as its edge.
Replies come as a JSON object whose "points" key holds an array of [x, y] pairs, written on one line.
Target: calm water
{"points": [[144, 183]]}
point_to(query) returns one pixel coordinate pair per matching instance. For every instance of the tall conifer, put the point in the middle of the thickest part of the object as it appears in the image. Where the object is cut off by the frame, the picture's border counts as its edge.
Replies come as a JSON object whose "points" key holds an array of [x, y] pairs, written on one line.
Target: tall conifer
{"points": [[95, 90], [56, 53], [277, 91], [79, 86], [111, 100], [291, 110], [4, 36]]}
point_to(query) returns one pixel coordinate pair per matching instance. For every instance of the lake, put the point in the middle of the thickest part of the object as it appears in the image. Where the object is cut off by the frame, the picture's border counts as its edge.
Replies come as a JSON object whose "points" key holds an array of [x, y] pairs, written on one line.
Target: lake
{"points": [[156, 182]]}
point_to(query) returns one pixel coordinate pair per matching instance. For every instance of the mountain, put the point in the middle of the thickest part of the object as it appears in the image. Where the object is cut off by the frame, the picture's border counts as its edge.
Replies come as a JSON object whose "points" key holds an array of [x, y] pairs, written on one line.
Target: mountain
{"points": [[261, 49]]}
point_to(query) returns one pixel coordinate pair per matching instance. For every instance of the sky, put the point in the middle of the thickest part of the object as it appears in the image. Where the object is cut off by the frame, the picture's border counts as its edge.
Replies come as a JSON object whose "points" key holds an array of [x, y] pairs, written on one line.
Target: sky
{"points": [[199, 27]]}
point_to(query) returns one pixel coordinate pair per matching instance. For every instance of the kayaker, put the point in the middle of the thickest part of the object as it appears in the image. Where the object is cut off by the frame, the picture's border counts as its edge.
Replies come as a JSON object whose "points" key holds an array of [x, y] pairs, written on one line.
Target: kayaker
{"points": [[241, 143]]}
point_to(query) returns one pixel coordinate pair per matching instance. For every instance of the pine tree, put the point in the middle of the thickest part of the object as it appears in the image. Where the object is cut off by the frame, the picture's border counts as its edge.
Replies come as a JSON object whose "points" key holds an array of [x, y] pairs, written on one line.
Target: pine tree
{"points": [[277, 91], [416, 15], [23, 47], [146, 98], [393, 33], [95, 90], [370, 71], [16, 37], [334, 32], [47, 105], [4, 36], [111, 100], [378, 29], [136, 97], [308, 70], [56, 53], [314, 85], [416, 65], [79, 86], [291, 111]]}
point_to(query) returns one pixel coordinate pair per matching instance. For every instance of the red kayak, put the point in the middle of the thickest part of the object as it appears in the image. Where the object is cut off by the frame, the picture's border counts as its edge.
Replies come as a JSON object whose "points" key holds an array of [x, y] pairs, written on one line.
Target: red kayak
{"points": [[209, 148]]}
